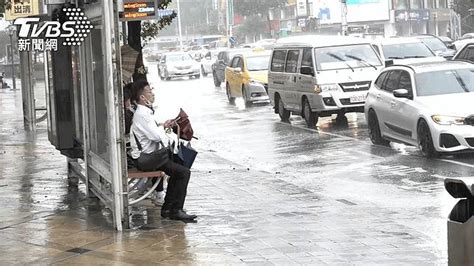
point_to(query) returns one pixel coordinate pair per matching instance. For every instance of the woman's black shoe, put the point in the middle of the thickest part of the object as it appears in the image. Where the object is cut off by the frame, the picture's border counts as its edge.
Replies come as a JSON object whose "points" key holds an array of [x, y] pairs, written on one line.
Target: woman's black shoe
{"points": [[182, 215]]}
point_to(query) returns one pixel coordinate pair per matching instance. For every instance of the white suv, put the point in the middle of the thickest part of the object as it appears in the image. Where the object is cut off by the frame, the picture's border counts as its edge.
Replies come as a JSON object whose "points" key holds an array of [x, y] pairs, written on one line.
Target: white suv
{"points": [[429, 105]]}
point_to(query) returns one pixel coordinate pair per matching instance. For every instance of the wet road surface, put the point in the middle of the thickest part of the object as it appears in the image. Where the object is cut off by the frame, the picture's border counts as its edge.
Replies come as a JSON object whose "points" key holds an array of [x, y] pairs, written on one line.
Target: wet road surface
{"points": [[266, 192]]}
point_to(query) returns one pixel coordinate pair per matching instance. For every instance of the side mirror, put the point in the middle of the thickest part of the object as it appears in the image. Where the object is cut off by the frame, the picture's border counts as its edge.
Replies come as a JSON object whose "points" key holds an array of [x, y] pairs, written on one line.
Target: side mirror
{"points": [[306, 70], [401, 93], [451, 46]]}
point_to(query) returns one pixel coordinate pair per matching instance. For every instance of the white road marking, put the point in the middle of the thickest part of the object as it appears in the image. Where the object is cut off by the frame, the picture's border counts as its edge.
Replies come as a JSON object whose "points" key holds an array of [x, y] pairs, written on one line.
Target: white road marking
{"points": [[458, 163]]}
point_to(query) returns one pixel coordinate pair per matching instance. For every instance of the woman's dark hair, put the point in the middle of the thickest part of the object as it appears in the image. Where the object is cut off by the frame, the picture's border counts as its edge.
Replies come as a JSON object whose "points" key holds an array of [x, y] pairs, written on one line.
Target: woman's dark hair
{"points": [[137, 89], [127, 91]]}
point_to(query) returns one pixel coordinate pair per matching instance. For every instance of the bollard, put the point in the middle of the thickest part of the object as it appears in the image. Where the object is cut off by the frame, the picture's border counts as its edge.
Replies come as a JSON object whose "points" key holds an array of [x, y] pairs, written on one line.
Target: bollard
{"points": [[460, 223]]}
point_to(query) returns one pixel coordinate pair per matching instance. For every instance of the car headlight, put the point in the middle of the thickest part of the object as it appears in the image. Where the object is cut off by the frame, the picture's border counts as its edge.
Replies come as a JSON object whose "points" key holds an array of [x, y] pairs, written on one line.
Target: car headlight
{"points": [[448, 120], [326, 88]]}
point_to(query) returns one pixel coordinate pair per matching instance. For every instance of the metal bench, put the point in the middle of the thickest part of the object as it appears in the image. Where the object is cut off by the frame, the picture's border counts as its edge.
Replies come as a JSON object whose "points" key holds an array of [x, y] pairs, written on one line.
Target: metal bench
{"points": [[137, 186]]}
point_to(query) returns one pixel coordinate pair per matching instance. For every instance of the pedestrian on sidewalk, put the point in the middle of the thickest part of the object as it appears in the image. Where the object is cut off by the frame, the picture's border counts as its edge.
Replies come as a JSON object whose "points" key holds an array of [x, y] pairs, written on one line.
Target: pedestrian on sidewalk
{"points": [[147, 137]]}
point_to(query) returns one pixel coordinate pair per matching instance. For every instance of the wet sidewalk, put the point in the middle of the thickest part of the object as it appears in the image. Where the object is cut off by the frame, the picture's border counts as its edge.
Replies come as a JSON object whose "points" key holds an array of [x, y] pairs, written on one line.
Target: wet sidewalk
{"points": [[245, 216]]}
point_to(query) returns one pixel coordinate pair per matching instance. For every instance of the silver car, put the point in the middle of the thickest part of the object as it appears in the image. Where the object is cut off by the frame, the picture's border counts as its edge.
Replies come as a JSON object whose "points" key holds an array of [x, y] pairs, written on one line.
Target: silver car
{"points": [[178, 64]]}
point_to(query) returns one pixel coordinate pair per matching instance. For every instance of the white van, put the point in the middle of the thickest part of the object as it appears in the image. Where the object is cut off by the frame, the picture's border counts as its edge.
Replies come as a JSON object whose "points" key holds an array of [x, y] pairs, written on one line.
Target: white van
{"points": [[321, 75]]}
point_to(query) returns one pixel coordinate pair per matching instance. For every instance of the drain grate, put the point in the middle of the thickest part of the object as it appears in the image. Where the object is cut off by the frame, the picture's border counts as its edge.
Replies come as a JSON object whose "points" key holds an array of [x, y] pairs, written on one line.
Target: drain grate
{"points": [[78, 250]]}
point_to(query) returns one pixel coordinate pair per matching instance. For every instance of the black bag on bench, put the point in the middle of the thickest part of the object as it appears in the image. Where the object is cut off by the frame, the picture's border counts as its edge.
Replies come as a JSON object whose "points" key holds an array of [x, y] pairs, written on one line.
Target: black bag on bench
{"points": [[154, 160]]}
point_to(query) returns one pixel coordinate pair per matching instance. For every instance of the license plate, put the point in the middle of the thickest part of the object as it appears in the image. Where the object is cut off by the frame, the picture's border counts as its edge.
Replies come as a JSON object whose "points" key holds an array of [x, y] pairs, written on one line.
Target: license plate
{"points": [[357, 98]]}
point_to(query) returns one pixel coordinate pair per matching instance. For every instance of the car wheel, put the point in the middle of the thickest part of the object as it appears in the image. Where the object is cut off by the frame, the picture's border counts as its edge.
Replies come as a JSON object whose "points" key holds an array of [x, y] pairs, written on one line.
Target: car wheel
{"points": [[310, 117], [197, 76], [217, 82], [204, 73], [229, 96], [374, 130], [425, 140], [245, 97], [282, 112]]}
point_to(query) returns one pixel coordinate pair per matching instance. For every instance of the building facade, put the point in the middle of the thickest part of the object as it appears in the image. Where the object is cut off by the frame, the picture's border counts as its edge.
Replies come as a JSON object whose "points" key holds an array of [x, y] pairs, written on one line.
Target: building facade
{"points": [[372, 17]]}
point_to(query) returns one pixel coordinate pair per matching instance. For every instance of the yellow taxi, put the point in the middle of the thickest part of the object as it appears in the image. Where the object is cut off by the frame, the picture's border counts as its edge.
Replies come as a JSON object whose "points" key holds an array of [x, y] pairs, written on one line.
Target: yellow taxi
{"points": [[247, 77]]}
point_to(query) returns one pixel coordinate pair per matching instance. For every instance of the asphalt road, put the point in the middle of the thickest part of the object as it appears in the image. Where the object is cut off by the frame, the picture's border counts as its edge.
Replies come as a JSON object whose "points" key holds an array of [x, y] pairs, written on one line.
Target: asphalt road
{"points": [[336, 160]]}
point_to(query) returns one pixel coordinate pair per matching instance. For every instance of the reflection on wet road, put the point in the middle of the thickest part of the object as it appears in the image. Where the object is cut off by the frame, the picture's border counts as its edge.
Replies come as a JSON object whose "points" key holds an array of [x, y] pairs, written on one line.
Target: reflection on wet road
{"points": [[336, 161]]}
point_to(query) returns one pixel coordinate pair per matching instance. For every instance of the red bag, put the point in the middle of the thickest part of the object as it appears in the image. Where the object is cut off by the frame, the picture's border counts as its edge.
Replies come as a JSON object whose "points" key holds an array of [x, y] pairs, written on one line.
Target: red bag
{"points": [[185, 130]]}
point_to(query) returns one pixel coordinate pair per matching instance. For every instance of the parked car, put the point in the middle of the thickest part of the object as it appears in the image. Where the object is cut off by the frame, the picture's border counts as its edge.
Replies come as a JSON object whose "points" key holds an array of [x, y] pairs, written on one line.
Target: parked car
{"points": [[428, 105], [178, 64], [316, 76], [247, 77], [466, 52], [405, 50], [223, 59], [437, 46], [447, 41], [469, 35], [206, 62]]}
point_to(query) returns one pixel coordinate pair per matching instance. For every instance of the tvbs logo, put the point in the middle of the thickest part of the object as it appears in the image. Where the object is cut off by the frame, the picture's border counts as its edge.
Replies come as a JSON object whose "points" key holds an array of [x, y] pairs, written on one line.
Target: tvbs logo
{"points": [[74, 30]]}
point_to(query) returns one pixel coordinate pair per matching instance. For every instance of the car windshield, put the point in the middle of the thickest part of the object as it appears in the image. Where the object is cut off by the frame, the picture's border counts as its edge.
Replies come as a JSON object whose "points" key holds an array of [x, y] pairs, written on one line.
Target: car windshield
{"points": [[406, 50], [256, 63], [445, 82], [178, 57], [434, 44], [347, 56]]}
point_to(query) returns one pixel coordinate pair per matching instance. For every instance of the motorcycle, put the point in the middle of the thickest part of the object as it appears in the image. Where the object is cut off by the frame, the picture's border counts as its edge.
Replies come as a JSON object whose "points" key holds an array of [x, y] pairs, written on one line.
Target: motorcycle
{"points": [[3, 83]]}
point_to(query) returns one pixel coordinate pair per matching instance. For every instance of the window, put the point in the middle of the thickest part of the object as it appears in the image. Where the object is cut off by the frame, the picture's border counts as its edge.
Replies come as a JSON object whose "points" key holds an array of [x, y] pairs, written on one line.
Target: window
{"points": [[400, 4], [467, 53], [235, 62], [445, 82], [220, 56], [278, 61], [405, 81], [292, 61], [416, 4], [240, 63], [430, 3], [442, 4], [391, 82], [307, 60], [380, 80]]}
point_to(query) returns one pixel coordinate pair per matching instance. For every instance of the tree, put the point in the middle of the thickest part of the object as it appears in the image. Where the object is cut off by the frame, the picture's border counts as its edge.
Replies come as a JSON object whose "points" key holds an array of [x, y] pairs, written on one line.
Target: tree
{"points": [[463, 7], [252, 26], [257, 8], [4, 5]]}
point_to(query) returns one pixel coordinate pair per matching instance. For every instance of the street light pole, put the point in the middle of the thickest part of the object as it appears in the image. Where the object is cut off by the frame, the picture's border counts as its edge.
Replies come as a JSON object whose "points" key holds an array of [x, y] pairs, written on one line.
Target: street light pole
{"points": [[11, 30]]}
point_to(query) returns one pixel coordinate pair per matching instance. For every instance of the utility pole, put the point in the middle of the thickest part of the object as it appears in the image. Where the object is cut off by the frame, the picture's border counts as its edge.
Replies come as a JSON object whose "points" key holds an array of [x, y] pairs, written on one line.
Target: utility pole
{"points": [[343, 18], [179, 29], [11, 31]]}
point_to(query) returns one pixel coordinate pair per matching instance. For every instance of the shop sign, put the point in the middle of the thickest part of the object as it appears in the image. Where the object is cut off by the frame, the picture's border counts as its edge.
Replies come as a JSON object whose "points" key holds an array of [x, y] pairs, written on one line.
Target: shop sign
{"points": [[412, 15], [21, 9], [139, 10]]}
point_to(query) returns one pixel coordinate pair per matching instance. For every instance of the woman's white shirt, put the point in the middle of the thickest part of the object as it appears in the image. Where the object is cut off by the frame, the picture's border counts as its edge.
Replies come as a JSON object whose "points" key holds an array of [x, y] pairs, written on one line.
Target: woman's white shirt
{"points": [[149, 134]]}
